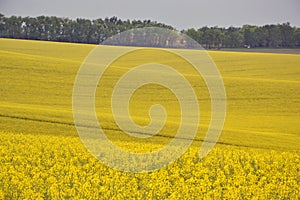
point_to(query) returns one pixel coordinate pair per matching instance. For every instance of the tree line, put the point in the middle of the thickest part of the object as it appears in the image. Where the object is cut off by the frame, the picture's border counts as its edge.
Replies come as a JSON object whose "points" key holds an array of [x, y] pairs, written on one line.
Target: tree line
{"points": [[267, 36], [81, 30]]}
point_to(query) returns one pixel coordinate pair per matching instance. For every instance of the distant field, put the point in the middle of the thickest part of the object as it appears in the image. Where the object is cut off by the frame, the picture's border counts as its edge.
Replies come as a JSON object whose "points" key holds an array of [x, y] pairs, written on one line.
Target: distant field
{"points": [[41, 156], [264, 50]]}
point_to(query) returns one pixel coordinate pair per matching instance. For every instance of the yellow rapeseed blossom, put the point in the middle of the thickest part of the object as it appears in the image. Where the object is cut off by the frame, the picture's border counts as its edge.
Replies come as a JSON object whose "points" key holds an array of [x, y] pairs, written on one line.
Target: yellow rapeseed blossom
{"points": [[42, 157]]}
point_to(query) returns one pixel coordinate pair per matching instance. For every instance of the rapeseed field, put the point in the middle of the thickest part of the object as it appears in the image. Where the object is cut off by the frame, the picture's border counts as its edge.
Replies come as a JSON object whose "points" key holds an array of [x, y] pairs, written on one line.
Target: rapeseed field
{"points": [[42, 157]]}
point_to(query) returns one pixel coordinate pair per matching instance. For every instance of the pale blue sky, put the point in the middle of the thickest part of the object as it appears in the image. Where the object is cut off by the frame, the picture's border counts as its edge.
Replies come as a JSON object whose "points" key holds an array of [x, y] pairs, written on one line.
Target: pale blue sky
{"points": [[180, 14]]}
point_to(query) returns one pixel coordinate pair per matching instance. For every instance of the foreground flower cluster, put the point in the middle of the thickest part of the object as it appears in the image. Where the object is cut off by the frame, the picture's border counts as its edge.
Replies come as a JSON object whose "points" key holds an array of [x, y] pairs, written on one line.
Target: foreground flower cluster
{"points": [[56, 167]]}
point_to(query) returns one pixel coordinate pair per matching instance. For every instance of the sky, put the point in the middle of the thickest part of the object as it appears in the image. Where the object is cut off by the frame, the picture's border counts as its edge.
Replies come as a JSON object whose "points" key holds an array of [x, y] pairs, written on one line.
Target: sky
{"points": [[179, 14]]}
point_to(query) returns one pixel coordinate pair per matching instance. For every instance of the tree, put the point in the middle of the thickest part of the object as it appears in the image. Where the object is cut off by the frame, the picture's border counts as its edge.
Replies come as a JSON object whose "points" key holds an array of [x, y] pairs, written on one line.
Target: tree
{"points": [[2, 25], [249, 35], [297, 36], [193, 34], [287, 33], [233, 37], [273, 38]]}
